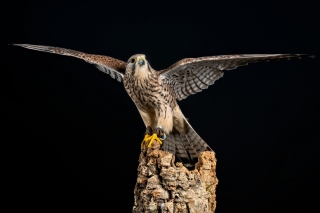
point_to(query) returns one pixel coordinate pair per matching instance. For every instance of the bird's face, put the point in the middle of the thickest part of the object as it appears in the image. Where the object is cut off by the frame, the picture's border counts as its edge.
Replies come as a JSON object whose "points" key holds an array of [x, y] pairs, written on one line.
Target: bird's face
{"points": [[138, 66]]}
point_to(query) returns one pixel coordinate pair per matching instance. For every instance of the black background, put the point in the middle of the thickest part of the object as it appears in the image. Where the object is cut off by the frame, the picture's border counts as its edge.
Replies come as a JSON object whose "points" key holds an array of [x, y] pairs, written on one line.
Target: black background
{"points": [[73, 135]]}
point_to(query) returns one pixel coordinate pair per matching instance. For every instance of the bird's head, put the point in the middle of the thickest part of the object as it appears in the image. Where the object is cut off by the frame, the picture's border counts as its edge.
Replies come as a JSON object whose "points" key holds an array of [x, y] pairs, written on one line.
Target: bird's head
{"points": [[138, 65]]}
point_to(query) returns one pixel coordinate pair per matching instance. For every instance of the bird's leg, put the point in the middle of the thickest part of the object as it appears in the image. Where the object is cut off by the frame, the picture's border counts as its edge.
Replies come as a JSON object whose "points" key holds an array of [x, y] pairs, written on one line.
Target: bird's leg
{"points": [[149, 131], [150, 136], [158, 135], [147, 135], [164, 122], [149, 120]]}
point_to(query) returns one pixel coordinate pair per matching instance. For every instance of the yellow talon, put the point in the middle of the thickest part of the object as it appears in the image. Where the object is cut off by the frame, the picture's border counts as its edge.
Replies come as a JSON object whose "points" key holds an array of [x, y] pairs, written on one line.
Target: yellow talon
{"points": [[147, 137], [152, 138]]}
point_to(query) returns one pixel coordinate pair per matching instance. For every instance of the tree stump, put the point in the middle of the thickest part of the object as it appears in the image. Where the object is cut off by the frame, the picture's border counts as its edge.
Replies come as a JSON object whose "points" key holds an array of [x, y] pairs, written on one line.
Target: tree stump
{"points": [[168, 187]]}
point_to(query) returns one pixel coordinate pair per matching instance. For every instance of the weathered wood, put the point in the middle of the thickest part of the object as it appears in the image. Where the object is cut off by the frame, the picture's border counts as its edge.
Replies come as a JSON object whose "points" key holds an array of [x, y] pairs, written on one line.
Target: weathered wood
{"points": [[168, 187]]}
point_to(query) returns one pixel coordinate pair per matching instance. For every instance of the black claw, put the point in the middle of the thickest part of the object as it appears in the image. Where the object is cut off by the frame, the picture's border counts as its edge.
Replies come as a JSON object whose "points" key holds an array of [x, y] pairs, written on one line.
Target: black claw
{"points": [[148, 130]]}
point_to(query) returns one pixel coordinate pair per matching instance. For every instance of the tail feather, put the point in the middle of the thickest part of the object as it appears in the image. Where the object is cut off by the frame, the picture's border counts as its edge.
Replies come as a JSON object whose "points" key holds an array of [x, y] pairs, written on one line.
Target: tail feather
{"points": [[189, 147], [169, 145], [186, 147], [197, 141], [192, 138], [181, 150]]}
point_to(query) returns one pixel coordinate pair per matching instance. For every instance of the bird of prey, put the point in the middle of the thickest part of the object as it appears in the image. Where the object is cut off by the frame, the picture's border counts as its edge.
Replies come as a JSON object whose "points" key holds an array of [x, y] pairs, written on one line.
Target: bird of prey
{"points": [[155, 93]]}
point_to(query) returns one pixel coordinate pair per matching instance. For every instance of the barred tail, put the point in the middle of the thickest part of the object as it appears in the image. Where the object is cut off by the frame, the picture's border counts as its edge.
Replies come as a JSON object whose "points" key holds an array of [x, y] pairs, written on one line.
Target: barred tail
{"points": [[186, 147]]}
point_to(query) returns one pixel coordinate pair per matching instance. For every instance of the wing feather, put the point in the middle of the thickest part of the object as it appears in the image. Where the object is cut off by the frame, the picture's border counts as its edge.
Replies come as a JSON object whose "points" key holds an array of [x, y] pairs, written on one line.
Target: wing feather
{"points": [[114, 67], [191, 75]]}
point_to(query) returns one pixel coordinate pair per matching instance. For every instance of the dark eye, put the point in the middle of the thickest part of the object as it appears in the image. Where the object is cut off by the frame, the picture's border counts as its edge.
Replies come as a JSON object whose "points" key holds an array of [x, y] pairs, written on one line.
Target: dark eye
{"points": [[133, 60]]}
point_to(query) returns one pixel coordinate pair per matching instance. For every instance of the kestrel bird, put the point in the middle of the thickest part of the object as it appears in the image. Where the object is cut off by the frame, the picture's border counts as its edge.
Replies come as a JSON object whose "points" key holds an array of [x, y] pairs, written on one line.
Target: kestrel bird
{"points": [[155, 93]]}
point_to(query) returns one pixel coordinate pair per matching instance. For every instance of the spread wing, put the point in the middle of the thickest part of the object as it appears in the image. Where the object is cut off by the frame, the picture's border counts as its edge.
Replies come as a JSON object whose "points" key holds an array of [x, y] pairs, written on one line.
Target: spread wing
{"points": [[191, 75], [114, 67]]}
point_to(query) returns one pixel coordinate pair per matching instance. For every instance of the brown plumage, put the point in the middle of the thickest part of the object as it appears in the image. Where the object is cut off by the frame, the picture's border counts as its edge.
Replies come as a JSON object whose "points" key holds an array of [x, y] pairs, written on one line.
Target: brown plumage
{"points": [[156, 93]]}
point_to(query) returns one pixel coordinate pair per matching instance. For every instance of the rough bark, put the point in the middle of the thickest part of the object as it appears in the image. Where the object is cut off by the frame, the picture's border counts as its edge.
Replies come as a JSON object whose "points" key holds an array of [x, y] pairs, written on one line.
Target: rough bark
{"points": [[168, 187]]}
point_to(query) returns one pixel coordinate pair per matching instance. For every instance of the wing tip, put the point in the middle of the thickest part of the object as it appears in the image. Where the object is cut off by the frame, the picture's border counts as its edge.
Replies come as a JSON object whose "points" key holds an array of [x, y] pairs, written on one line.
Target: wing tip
{"points": [[12, 44], [20, 45], [299, 56]]}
